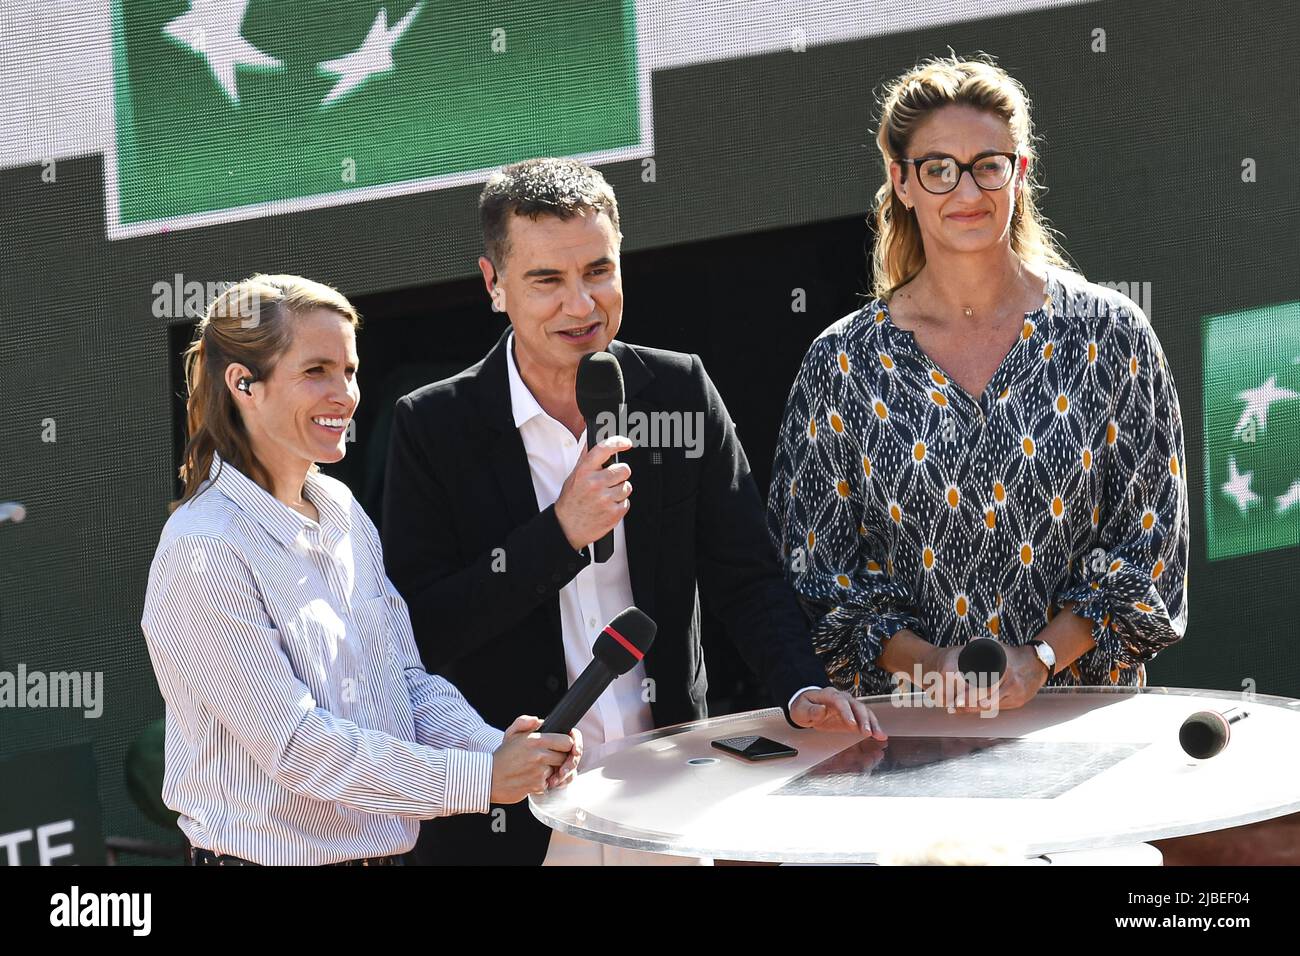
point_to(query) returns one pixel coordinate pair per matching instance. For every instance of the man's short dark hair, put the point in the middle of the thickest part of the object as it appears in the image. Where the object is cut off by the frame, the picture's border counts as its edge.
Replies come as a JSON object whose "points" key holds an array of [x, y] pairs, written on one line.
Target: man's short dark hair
{"points": [[563, 188]]}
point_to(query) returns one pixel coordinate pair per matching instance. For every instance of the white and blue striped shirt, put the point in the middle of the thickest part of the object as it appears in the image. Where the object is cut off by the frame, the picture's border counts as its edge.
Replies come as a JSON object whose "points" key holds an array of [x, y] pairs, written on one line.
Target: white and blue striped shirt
{"points": [[301, 726]]}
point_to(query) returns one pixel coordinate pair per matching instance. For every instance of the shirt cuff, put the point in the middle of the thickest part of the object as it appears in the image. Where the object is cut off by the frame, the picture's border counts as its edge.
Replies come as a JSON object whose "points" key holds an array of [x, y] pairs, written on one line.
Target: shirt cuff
{"points": [[796, 694], [468, 782], [794, 697], [486, 740]]}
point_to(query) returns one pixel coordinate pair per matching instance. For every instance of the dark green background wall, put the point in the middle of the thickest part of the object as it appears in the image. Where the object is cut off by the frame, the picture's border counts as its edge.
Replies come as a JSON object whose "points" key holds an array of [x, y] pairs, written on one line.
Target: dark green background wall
{"points": [[1142, 157]]}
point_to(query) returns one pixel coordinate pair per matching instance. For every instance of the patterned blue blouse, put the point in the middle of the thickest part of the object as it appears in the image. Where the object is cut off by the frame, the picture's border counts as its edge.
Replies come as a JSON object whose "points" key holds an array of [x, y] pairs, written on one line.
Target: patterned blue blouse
{"points": [[898, 500]]}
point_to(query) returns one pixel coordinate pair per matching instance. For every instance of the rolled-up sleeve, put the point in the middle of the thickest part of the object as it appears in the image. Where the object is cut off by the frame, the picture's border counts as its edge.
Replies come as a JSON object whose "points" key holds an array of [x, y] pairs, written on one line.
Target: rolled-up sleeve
{"points": [[208, 630], [835, 561], [1132, 584]]}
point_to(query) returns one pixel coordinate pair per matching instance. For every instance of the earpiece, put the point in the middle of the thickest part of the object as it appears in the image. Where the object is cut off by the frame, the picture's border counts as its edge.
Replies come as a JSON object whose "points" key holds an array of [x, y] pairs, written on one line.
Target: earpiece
{"points": [[244, 384]]}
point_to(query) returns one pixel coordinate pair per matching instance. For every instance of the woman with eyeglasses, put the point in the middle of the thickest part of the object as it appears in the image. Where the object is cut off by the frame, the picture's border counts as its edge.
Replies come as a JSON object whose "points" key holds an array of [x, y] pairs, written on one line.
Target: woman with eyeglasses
{"points": [[301, 726], [992, 446]]}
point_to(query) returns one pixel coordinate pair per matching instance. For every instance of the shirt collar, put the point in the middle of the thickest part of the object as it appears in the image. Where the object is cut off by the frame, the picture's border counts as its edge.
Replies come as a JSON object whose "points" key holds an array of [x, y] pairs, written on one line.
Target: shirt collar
{"points": [[523, 404], [279, 520]]}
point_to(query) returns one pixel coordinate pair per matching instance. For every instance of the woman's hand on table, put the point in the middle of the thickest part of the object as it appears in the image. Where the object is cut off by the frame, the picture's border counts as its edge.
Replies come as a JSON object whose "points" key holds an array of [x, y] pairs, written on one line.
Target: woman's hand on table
{"points": [[1023, 678]]}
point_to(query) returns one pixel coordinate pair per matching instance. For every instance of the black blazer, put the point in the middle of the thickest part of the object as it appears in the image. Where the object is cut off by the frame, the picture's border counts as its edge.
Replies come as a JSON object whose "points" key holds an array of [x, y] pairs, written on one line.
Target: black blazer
{"points": [[459, 499]]}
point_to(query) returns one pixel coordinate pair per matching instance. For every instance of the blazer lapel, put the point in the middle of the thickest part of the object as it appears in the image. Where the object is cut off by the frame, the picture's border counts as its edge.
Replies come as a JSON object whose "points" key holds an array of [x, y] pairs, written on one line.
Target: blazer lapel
{"points": [[506, 446]]}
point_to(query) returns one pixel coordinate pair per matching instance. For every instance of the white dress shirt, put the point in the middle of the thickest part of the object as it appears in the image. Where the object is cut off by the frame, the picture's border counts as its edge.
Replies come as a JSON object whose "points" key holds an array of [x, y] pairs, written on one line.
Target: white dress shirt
{"points": [[587, 603], [301, 726]]}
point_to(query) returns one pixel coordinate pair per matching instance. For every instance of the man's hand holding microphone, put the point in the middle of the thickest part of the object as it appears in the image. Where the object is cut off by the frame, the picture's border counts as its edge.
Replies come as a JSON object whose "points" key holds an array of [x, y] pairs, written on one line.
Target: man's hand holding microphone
{"points": [[594, 499]]}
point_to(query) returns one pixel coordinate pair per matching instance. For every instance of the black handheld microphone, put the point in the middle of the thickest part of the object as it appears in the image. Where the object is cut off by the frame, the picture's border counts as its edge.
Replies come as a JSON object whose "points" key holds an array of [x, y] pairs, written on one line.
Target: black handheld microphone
{"points": [[983, 655], [622, 643], [600, 390], [1206, 732]]}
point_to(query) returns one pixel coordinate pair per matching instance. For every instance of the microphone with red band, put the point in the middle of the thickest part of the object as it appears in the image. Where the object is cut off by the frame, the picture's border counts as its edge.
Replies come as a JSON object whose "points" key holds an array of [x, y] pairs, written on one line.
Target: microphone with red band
{"points": [[622, 643]]}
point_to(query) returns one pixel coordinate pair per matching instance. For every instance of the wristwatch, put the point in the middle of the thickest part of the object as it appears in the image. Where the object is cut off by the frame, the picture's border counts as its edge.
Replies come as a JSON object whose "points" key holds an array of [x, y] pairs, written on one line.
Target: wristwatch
{"points": [[1046, 655]]}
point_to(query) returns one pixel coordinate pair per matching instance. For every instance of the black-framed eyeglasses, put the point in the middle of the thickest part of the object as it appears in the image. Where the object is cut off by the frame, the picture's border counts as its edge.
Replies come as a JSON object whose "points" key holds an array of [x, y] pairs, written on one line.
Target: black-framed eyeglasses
{"points": [[941, 174]]}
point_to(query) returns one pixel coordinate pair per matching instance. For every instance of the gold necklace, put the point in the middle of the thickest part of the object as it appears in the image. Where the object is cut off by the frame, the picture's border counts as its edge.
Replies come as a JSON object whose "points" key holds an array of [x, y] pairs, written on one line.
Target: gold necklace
{"points": [[968, 311]]}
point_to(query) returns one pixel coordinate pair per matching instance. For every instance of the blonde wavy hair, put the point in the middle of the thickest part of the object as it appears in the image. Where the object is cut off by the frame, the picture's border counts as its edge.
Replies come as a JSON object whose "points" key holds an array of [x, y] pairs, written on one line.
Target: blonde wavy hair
{"points": [[907, 102]]}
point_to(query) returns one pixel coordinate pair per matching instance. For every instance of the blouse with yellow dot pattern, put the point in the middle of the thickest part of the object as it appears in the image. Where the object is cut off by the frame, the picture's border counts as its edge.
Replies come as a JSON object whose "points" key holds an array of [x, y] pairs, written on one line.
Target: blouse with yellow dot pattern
{"points": [[900, 501]]}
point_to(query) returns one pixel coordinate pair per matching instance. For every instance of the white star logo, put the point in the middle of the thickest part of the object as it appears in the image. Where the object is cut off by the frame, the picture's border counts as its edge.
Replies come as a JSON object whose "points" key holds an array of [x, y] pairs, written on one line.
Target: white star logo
{"points": [[1237, 487], [211, 29], [1257, 402], [1288, 499], [374, 56]]}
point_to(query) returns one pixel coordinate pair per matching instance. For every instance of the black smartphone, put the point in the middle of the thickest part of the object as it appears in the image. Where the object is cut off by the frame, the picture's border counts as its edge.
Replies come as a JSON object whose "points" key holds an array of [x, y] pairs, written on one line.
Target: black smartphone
{"points": [[754, 748]]}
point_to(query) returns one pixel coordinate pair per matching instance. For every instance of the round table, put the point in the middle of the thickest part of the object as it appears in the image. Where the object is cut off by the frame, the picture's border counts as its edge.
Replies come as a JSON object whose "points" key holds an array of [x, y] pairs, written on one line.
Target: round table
{"points": [[1077, 768]]}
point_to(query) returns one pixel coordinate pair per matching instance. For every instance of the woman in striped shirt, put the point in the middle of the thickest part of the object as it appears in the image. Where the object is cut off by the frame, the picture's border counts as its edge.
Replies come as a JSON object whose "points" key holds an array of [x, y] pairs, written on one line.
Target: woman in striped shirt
{"points": [[301, 725]]}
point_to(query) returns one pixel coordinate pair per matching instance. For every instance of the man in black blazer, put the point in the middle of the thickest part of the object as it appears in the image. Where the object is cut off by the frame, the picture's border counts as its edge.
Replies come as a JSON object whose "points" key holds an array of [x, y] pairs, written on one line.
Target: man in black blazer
{"points": [[491, 501]]}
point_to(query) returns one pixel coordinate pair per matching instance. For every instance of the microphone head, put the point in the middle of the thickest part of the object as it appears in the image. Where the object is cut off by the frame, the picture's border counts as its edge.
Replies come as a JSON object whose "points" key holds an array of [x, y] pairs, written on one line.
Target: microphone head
{"points": [[600, 384], [1203, 734], [625, 640], [983, 655]]}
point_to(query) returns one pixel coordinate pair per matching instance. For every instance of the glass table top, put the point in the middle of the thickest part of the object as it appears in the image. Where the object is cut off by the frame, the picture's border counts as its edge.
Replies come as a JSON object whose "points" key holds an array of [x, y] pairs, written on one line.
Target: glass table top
{"points": [[1076, 768]]}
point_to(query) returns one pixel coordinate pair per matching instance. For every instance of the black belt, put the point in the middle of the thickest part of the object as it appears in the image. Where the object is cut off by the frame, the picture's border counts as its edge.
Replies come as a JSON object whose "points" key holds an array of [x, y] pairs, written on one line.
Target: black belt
{"points": [[199, 857]]}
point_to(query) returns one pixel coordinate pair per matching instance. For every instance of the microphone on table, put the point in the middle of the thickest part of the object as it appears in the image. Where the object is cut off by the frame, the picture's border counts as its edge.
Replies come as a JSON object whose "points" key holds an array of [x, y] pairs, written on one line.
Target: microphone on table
{"points": [[983, 655], [1206, 732], [618, 648], [600, 390]]}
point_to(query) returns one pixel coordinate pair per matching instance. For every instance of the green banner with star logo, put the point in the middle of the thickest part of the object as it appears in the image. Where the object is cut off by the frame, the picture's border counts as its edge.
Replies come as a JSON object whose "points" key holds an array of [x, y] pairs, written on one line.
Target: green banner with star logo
{"points": [[228, 109], [1252, 430]]}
